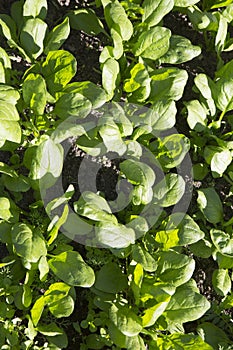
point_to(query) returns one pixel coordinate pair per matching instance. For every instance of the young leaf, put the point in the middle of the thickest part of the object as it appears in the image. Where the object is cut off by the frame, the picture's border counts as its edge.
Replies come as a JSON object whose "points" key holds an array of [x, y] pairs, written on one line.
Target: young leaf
{"points": [[154, 11], [57, 36], [35, 93], [71, 268], [5, 205], [35, 8], [110, 77], [32, 37], [221, 282], [37, 310], [138, 86], [153, 43], [210, 204], [57, 297]]}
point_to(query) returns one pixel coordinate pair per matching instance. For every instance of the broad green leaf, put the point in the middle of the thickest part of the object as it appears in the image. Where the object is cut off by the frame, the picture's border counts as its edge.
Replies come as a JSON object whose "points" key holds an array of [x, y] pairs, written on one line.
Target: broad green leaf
{"points": [[154, 11], [125, 320], [224, 95], [59, 68], [59, 302], [35, 93], [212, 334], [153, 43], [221, 281], [180, 50], [94, 207], [28, 244], [16, 184], [8, 27], [210, 204], [114, 235], [86, 20], [50, 329], [175, 268], [213, 4], [159, 292], [9, 94], [179, 341], [35, 8], [48, 159], [5, 212], [222, 241], [167, 84], [118, 49], [91, 91], [144, 258], [37, 310], [32, 37], [138, 173], [111, 279], [138, 86], [164, 116], [117, 19], [169, 190], [111, 136], [72, 105], [151, 314], [70, 268], [110, 77], [139, 225], [186, 306], [220, 161], [57, 36], [185, 3], [197, 118]]}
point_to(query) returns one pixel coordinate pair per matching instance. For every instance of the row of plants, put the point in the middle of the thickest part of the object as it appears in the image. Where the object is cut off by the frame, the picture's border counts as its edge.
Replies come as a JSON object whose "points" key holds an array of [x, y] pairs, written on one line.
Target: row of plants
{"points": [[119, 274]]}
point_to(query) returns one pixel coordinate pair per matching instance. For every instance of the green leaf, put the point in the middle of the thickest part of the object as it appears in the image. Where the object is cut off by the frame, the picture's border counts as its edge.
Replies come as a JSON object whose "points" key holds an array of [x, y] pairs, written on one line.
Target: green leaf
{"points": [[169, 190], [221, 281], [91, 91], [222, 241], [167, 84], [186, 306], [154, 11], [185, 3], [27, 296], [37, 310], [86, 20], [35, 8], [153, 43], [206, 87], [50, 329], [144, 258], [16, 184], [110, 279], [110, 77], [57, 297], [114, 235], [110, 133], [32, 37], [59, 68], [5, 205], [35, 93], [125, 320], [197, 118], [180, 50], [138, 86], [138, 173], [71, 269], [57, 36], [224, 95], [72, 105], [164, 116], [210, 205], [117, 19], [212, 335], [28, 244], [179, 341], [175, 268], [220, 161], [48, 159]]}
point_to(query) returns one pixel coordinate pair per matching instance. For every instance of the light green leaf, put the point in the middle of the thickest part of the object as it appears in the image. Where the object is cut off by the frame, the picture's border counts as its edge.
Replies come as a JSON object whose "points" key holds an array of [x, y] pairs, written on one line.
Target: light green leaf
{"points": [[72, 105], [220, 161], [114, 235], [111, 136], [138, 173], [5, 212], [154, 11], [153, 43], [32, 37], [167, 84], [151, 314], [110, 77], [59, 68], [138, 86], [169, 190], [185, 3], [48, 159], [197, 118], [35, 93], [111, 279], [37, 310], [210, 204], [224, 94], [57, 36], [180, 50], [117, 19], [222, 241], [179, 341], [71, 268], [86, 20], [29, 244], [57, 297], [35, 8], [125, 320], [221, 281], [186, 306], [175, 268], [144, 258], [164, 116]]}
